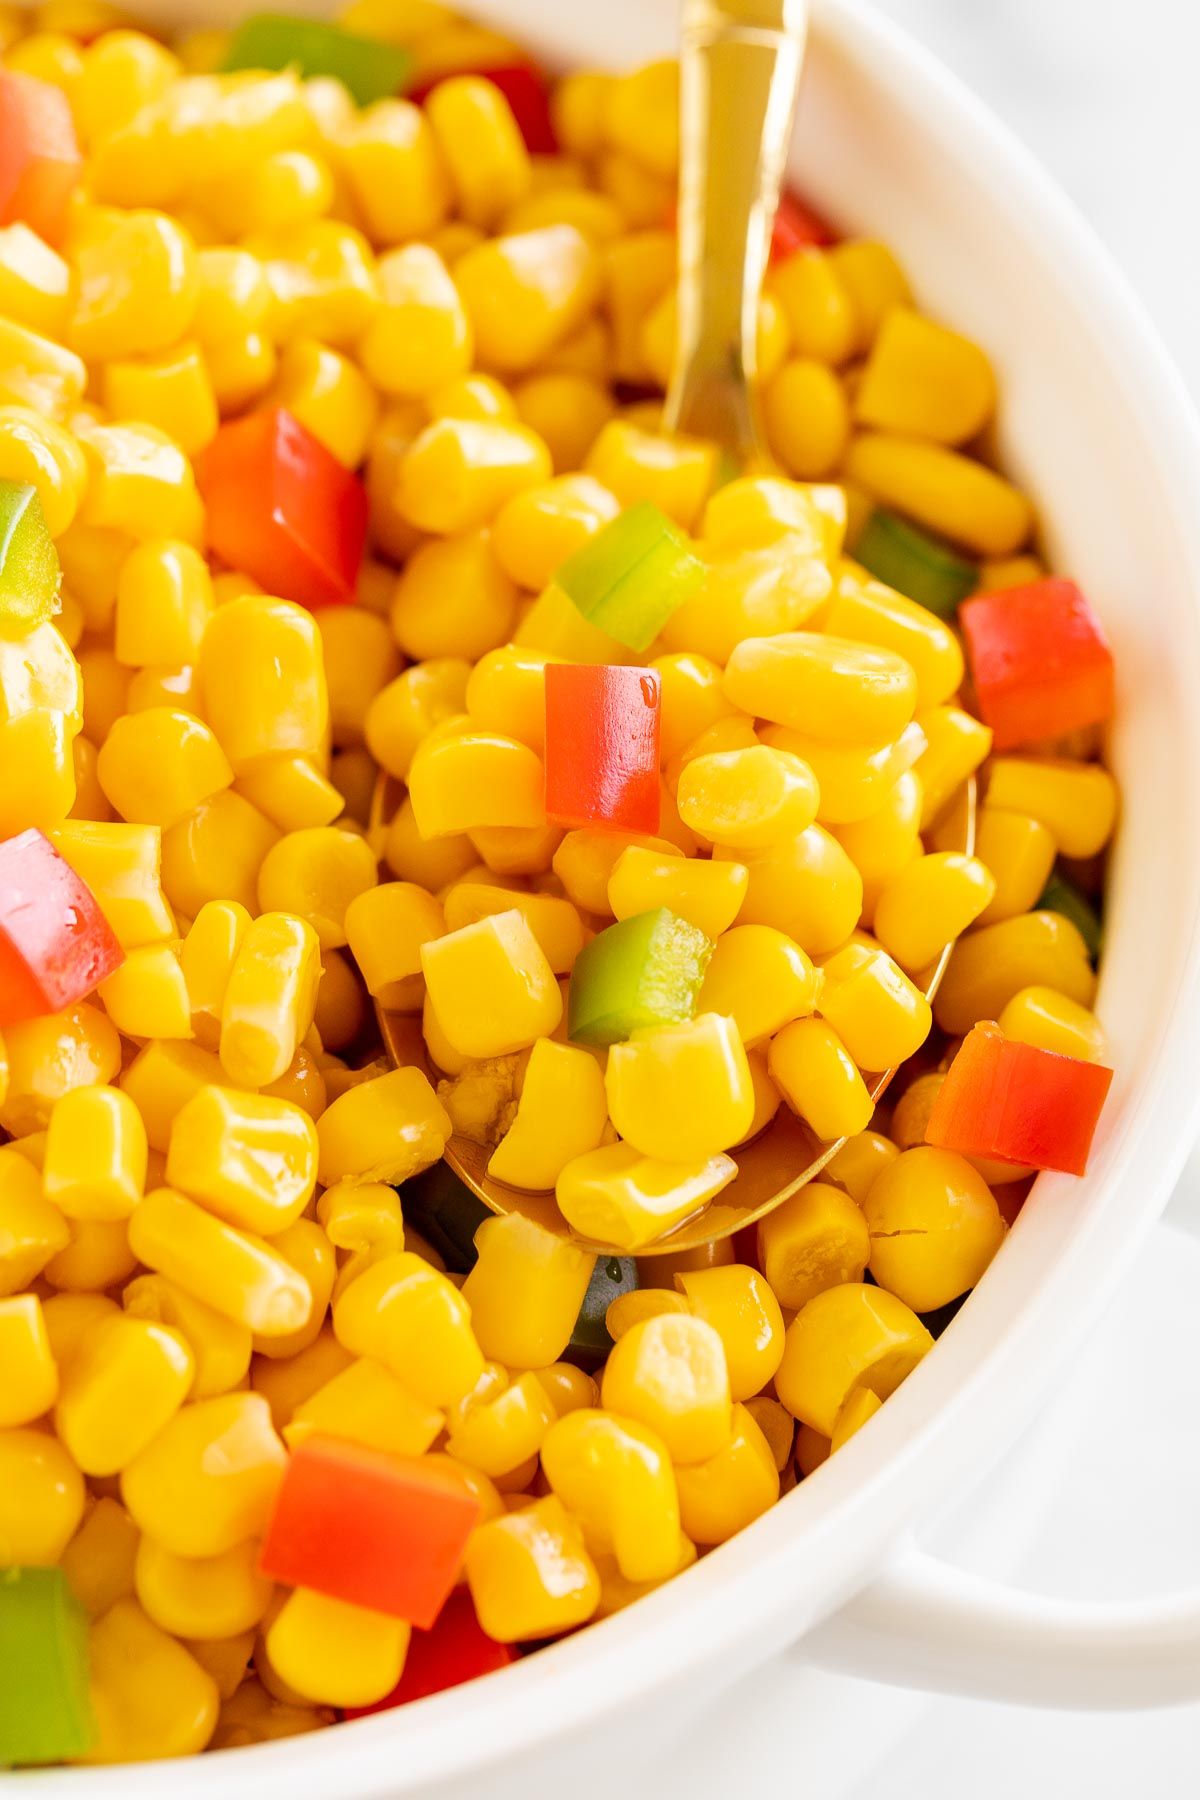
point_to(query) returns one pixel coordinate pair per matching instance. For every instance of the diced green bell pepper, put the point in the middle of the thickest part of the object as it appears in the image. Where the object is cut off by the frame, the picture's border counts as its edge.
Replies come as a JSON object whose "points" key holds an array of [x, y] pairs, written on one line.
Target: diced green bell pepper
{"points": [[446, 1213], [643, 971], [632, 575], [915, 563], [45, 1714], [29, 573], [368, 68], [1060, 895], [591, 1340]]}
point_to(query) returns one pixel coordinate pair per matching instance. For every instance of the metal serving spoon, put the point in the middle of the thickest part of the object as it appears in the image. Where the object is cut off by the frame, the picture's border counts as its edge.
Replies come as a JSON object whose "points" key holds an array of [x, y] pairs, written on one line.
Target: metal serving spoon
{"points": [[740, 66]]}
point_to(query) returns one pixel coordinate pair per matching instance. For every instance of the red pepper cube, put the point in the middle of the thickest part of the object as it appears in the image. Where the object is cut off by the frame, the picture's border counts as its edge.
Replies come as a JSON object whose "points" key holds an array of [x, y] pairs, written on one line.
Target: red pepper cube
{"points": [[387, 1532], [1018, 1103], [55, 943], [798, 227], [457, 1649], [283, 509], [526, 93], [40, 162], [1039, 660], [602, 737]]}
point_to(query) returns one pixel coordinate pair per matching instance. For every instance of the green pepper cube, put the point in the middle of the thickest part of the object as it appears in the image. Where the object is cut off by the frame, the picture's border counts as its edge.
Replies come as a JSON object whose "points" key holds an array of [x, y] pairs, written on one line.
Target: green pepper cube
{"points": [[591, 1339], [446, 1213], [45, 1714], [643, 971], [29, 573], [369, 69], [632, 575], [1062, 896], [915, 563]]}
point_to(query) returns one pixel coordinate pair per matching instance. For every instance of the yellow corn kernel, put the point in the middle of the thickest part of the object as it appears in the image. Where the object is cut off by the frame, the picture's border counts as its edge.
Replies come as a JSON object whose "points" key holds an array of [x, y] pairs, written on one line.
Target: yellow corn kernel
{"points": [[328, 1650], [90, 802], [815, 1240], [741, 1308], [499, 1433], [807, 887], [150, 1698], [157, 766], [240, 369], [569, 1388], [136, 286], [872, 613], [754, 511], [860, 1406], [262, 680], [41, 1497], [471, 397], [817, 1076], [708, 894], [53, 1056], [1050, 1021], [924, 381], [315, 874], [126, 1380], [529, 1574], [37, 372], [386, 927], [407, 709], [561, 1114], [302, 1084], [506, 693], [847, 1337], [458, 473], [248, 1158], [955, 746], [930, 903], [881, 1018], [421, 336], [322, 281], [34, 281], [675, 474], [360, 659], [305, 1247], [270, 994], [122, 72], [515, 850], [615, 1477], [874, 281], [859, 1162], [173, 391], [233, 296], [640, 115], [39, 744], [692, 700], [670, 1373], [807, 418], [226, 1660], [387, 155], [942, 490], [539, 529], [643, 198], [989, 966], [340, 1005], [140, 482], [95, 1164], [216, 853], [660, 331], [830, 688], [220, 1347], [30, 1374], [453, 599], [45, 454], [385, 1129], [290, 791], [578, 104], [628, 1310], [754, 593], [366, 1404], [242, 1277], [526, 1289], [97, 1256], [730, 1489], [934, 1227], [853, 783], [554, 625], [208, 1481], [206, 957], [164, 604], [567, 410], [819, 310], [99, 1560], [481, 146], [204, 1597], [681, 1092], [617, 1196], [594, 216], [69, 1316], [813, 1447], [493, 990], [329, 395], [413, 1320], [32, 1231], [1019, 852], [430, 863], [1010, 571], [1076, 802], [286, 1385], [748, 799], [286, 190]]}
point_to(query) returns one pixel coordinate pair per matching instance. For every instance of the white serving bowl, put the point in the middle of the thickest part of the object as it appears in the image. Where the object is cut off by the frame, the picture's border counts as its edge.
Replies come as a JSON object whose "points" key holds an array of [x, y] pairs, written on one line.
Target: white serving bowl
{"points": [[1096, 426]]}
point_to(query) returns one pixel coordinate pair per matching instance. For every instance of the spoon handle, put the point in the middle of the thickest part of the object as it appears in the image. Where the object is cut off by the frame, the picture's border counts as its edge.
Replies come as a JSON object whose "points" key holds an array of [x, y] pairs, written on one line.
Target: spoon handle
{"points": [[740, 68]]}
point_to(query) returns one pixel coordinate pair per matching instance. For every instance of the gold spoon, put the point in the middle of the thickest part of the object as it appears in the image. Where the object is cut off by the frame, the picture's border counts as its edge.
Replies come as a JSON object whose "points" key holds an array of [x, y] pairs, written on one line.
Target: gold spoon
{"points": [[740, 68]]}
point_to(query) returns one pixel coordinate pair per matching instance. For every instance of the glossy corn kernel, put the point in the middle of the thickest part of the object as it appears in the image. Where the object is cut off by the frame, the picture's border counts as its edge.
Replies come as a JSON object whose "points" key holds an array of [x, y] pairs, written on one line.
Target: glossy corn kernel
{"points": [[41, 1497], [215, 853], [482, 146], [471, 397], [929, 904], [420, 337], [807, 418], [386, 927], [872, 613], [816, 304], [31, 1374], [491, 986], [220, 1347], [269, 995], [761, 979], [860, 1160], [163, 604], [561, 1113], [530, 1575], [567, 410], [157, 766], [99, 1560], [670, 1373], [136, 286], [385, 1129], [150, 1698], [328, 1650], [365, 1403], [847, 1337], [249, 1159], [731, 1488], [95, 1162], [431, 863], [36, 371], [881, 1018], [860, 1406], [127, 1378], [45, 455], [1019, 852], [1051, 1021], [955, 746], [409, 1317], [675, 474], [1076, 802], [989, 966], [748, 799], [681, 1091], [405, 711], [925, 381], [453, 599], [498, 1432], [120, 864], [615, 1195], [240, 1276], [934, 1227], [97, 1256], [360, 659], [208, 1481], [826, 687], [205, 1597], [943, 490], [816, 1239], [628, 1310], [53, 1056], [315, 874], [526, 293], [615, 1477], [389, 160], [262, 680], [807, 887], [34, 281], [744, 1312], [707, 894], [816, 1075], [526, 1289], [458, 473], [206, 959]]}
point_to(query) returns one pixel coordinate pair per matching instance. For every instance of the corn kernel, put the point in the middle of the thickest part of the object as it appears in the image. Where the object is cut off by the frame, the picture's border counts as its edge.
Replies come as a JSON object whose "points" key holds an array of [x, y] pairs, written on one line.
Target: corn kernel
{"points": [[208, 1481], [675, 475], [394, 170], [453, 599], [407, 709], [126, 1380], [220, 1347], [943, 490], [807, 887], [215, 853], [816, 1075], [681, 1091], [847, 1337], [1076, 802], [366, 1404], [240, 1276], [315, 874], [413, 1320], [163, 604], [1019, 852], [491, 985], [955, 746], [32, 1231], [249, 1159], [262, 680], [136, 287], [53, 1056], [205, 1597], [34, 281], [99, 1560], [732, 1488], [670, 1373], [328, 1650], [149, 1697], [934, 1227], [529, 1574], [270, 996], [1039, 1016], [31, 1377], [561, 1114], [743, 1311], [458, 473], [567, 410], [385, 1129], [421, 337], [988, 967], [616, 1479], [95, 1165], [526, 1289]]}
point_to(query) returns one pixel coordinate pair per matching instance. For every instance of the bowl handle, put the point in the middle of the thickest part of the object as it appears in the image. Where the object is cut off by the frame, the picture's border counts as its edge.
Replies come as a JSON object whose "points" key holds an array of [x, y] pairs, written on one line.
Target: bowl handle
{"points": [[925, 1623]]}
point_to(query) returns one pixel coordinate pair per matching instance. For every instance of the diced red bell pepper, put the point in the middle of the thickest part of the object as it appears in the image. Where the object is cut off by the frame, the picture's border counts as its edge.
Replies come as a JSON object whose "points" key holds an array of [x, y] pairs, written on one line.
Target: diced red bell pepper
{"points": [[457, 1649], [55, 943], [283, 509], [40, 162], [602, 738], [1039, 660], [798, 227], [525, 89], [1018, 1103], [388, 1532]]}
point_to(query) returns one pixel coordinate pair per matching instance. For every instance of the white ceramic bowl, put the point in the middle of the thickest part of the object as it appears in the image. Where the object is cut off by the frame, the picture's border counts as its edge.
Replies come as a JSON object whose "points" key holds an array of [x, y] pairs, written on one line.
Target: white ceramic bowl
{"points": [[1096, 426]]}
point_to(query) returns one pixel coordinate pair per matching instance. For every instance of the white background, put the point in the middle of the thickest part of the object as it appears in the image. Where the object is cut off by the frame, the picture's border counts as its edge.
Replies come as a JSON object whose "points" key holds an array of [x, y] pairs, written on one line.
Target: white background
{"points": [[1104, 92]]}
